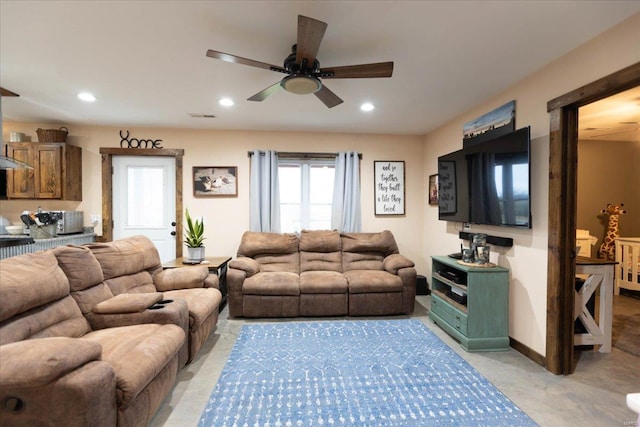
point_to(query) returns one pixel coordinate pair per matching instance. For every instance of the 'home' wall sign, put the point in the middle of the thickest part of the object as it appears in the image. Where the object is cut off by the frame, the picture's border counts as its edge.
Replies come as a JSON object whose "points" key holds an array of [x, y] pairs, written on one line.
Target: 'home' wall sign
{"points": [[138, 143]]}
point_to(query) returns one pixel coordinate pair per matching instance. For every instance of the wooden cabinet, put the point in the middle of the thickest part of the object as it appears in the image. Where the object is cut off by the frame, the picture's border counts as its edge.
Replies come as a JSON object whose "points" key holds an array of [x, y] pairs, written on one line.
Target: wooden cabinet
{"points": [[56, 173], [471, 303]]}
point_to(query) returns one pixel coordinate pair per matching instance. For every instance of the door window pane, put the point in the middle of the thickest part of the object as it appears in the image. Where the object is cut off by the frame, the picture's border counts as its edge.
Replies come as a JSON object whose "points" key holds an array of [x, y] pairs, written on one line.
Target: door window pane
{"points": [[145, 205]]}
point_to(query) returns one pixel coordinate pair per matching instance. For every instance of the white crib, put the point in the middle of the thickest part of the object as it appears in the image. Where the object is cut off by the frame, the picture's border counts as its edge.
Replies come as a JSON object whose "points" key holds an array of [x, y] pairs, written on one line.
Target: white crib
{"points": [[628, 268]]}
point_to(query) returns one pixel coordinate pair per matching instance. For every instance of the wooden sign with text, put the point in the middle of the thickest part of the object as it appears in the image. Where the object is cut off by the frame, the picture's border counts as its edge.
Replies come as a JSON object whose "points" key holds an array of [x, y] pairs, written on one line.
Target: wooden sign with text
{"points": [[388, 177]]}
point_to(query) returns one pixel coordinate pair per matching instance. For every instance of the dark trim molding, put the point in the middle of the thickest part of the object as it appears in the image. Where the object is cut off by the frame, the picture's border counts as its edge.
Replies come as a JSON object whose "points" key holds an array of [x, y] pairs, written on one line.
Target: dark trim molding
{"points": [[563, 160], [529, 352], [107, 187]]}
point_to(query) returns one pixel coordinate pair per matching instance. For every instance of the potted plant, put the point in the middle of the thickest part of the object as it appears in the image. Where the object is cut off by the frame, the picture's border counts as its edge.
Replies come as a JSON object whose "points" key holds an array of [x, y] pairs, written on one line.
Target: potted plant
{"points": [[194, 237]]}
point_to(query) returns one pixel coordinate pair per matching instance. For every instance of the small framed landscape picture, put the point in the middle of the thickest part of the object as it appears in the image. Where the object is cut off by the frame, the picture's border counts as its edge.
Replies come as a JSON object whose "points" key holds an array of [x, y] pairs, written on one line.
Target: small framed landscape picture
{"points": [[215, 181], [433, 190]]}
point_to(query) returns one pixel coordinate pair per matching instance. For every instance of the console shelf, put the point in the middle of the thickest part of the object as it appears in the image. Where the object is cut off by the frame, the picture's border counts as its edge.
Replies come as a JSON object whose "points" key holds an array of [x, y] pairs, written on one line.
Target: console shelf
{"points": [[478, 317]]}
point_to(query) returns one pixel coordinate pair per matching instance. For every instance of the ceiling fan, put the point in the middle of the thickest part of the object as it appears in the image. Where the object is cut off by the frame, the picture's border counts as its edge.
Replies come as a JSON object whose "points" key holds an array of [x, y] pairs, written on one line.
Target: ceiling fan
{"points": [[303, 68]]}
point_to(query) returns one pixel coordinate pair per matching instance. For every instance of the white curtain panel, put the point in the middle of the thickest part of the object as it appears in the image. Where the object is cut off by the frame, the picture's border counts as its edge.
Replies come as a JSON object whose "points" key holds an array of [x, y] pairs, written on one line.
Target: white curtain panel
{"points": [[345, 212], [264, 195]]}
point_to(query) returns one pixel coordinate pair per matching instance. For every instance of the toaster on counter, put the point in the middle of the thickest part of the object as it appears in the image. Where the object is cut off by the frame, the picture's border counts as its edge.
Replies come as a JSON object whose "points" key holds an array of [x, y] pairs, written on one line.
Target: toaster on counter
{"points": [[71, 222]]}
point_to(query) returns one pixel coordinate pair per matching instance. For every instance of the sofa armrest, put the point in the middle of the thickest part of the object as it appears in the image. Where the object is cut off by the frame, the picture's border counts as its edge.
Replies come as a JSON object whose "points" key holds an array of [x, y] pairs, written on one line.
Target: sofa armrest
{"points": [[181, 278], [127, 303], [174, 312], [212, 281], [395, 262], [37, 362], [55, 382], [249, 265]]}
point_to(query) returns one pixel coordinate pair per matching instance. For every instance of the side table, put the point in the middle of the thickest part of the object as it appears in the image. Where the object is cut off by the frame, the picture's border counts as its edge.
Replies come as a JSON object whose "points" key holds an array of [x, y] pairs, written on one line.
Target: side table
{"points": [[599, 273], [216, 264]]}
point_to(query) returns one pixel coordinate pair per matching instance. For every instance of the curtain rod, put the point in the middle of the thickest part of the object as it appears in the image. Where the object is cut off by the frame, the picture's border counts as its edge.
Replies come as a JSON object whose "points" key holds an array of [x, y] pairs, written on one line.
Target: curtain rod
{"points": [[300, 155]]}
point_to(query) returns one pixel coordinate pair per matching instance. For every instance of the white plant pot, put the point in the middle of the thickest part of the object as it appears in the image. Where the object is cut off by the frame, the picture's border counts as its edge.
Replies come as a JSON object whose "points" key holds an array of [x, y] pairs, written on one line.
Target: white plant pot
{"points": [[195, 254]]}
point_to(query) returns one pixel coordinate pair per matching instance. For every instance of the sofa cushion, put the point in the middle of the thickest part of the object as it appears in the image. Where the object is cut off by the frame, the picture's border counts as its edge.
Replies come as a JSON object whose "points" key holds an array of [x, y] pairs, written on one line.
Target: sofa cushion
{"points": [[90, 297], [200, 301], [29, 281], [320, 241], [320, 250], [382, 242], [80, 266], [281, 262], [86, 280], [180, 278], [140, 282], [322, 282], [126, 256], [371, 281], [60, 318], [362, 261], [272, 283], [256, 243], [366, 251], [137, 354], [273, 251]]}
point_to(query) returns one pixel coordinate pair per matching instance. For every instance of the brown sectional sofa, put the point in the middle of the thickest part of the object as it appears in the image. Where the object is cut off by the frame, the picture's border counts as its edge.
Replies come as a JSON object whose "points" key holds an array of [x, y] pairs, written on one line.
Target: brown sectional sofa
{"points": [[86, 339], [320, 273]]}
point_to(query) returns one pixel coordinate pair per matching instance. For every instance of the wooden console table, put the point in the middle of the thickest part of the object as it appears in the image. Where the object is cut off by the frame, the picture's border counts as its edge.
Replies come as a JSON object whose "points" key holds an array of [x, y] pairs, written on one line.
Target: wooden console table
{"points": [[599, 273], [216, 265]]}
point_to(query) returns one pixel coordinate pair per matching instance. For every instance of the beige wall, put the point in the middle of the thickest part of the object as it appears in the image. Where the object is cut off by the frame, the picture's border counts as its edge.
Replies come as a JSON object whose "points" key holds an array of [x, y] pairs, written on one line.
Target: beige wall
{"points": [[527, 259], [608, 172], [227, 218]]}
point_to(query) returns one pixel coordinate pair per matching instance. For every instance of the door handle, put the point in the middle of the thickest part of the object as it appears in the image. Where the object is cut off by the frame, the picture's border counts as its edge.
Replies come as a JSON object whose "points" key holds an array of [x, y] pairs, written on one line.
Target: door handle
{"points": [[173, 233], [173, 224]]}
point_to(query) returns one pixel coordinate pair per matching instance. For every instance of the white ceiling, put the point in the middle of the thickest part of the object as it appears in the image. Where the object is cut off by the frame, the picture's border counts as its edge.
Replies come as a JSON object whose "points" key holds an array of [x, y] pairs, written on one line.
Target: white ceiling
{"points": [[616, 118], [145, 60]]}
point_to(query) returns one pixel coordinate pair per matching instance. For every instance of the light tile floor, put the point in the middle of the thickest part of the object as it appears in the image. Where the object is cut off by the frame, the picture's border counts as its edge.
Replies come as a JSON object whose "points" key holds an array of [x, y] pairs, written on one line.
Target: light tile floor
{"points": [[593, 396]]}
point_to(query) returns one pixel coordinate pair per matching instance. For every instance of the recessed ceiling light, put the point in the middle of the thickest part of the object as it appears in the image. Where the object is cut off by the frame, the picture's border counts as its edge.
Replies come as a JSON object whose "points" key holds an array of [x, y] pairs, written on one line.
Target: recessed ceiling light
{"points": [[226, 102], [367, 106], [86, 96]]}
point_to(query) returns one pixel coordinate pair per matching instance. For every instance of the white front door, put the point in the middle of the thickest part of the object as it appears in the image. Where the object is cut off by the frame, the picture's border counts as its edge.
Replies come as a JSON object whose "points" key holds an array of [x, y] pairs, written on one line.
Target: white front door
{"points": [[144, 200]]}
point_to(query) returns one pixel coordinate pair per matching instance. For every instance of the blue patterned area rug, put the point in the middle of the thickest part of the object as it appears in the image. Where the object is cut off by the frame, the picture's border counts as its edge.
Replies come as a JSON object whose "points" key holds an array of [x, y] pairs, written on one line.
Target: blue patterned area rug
{"points": [[352, 373]]}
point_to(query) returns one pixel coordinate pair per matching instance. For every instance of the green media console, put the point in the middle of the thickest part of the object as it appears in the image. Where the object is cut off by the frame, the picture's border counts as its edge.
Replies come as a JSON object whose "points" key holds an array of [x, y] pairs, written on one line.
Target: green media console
{"points": [[471, 303]]}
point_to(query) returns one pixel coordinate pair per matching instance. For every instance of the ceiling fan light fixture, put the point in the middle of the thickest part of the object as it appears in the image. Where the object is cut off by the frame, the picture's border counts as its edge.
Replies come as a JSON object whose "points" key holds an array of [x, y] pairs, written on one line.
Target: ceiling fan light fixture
{"points": [[301, 84], [226, 102]]}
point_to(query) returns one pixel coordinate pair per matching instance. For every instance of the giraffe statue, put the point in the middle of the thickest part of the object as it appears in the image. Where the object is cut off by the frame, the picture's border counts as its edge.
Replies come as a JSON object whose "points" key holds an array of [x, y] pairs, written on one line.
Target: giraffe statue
{"points": [[608, 247]]}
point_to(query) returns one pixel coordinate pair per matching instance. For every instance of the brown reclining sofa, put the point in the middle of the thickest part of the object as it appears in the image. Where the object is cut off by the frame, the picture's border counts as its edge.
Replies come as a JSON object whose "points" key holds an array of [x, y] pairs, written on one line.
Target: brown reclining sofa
{"points": [[320, 273], [94, 335]]}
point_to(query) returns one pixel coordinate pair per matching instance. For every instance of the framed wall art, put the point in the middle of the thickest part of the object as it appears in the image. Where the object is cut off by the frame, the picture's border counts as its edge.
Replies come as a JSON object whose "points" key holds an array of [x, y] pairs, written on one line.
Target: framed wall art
{"points": [[388, 178], [433, 190], [215, 181]]}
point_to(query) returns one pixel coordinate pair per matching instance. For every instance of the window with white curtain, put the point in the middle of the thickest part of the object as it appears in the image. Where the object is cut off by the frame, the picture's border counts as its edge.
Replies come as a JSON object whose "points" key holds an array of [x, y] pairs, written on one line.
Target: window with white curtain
{"points": [[306, 192]]}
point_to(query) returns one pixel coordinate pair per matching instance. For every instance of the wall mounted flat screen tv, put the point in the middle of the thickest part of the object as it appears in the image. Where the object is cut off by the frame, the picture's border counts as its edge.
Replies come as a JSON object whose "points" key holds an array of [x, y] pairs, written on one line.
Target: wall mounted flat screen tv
{"points": [[487, 183]]}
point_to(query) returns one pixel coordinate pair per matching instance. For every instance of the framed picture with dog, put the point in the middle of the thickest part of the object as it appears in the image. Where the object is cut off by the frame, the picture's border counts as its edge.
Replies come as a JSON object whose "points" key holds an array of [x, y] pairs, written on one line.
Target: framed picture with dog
{"points": [[215, 181]]}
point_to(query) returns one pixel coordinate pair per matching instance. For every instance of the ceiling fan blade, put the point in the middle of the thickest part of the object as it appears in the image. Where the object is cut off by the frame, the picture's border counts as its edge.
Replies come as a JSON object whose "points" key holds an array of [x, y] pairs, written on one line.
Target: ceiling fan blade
{"points": [[262, 95], [379, 69], [329, 98], [227, 57], [6, 92], [310, 33]]}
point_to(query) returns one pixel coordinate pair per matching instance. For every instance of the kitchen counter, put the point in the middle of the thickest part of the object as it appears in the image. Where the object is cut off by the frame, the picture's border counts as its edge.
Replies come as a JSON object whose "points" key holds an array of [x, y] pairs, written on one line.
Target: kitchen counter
{"points": [[13, 240], [18, 245]]}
